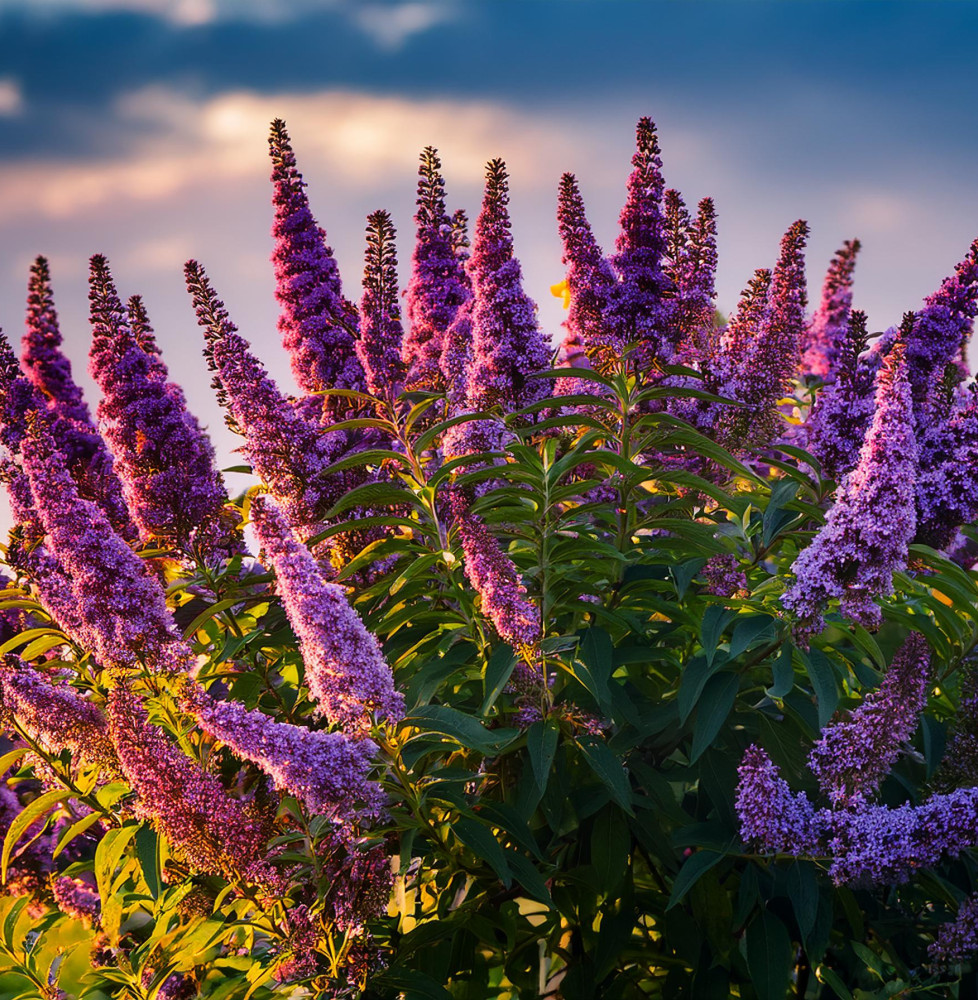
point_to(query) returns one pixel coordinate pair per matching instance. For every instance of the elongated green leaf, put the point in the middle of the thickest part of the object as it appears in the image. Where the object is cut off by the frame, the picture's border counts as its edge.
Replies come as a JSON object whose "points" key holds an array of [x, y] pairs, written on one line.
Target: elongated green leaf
{"points": [[107, 855], [413, 985], [822, 675], [25, 818], [26, 637], [148, 853], [714, 706], [715, 620], [464, 729], [498, 671], [696, 865], [694, 677], [834, 982], [609, 769], [76, 830], [528, 876], [541, 745], [482, 842], [768, 956]]}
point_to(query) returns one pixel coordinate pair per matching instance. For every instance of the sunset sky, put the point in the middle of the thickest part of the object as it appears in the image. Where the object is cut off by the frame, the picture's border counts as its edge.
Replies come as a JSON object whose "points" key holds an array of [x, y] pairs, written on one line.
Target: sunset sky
{"points": [[137, 128]]}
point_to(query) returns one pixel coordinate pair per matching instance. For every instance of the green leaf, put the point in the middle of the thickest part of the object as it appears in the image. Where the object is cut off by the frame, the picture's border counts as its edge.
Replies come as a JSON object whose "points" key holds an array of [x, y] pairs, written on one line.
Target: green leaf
{"points": [[768, 956], [28, 815], [610, 843], [715, 620], [834, 982], [749, 629], [528, 876], [694, 677], [822, 675], [148, 853], [208, 613], [498, 671], [609, 769], [464, 729], [75, 830], [107, 855], [541, 745], [483, 843], [803, 892], [695, 866], [715, 704], [413, 985], [27, 637], [783, 674], [10, 758]]}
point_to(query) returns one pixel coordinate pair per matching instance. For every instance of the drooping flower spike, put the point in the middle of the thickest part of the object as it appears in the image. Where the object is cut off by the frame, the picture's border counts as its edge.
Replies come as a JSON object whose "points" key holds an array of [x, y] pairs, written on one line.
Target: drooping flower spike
{"points": [[381, 333], [346, 672], [164, 459], [319, 326], [328, 771], [438, 285], [868, 529], [286, 451], [120, 604]]}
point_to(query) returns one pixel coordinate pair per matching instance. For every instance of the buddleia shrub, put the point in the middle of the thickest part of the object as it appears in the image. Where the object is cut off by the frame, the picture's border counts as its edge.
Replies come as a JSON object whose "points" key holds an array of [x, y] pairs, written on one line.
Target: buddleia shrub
{"points": [[638, 667]]}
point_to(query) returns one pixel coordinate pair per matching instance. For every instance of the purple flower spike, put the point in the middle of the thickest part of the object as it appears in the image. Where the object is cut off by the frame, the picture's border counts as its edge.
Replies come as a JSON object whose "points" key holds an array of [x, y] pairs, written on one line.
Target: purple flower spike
{"points": [[854, 754], [943, 326], [216, 834], [869, 528], [163, 457], [318, 325], [76, 899], [145, 337], [438, 284], [495, 578], [957, 941], [346, 671], [286, 451], [843, 409], [826, 334], [693, 270], [328, 771], [56, 718], [122, 607], [770, 815], [379, 346], [640, 311], [590, 278], [771, 357], [507, 344]]}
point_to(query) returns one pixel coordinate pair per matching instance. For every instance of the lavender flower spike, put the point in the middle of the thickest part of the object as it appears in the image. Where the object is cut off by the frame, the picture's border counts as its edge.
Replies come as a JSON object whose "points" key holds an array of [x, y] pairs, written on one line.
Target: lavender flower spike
{"points": [[318, 325], [957, 941], [507, 343], [76, 899], [825, 334], [121, 605], [56, 717], [286, 451], [217, 835], [769, 814], [164, 459], [640, 311], [854, 755], [327, 770], [379, 346], [494, 577], [346, 671], [869, 528], [590, 278], [49, 370], [438, 285]]}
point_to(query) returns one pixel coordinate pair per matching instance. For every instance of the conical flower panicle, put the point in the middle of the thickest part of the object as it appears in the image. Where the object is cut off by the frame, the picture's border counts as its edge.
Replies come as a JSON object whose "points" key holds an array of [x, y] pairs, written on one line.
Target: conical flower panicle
{"points": [[956, 942], [826, 332], [771, 358], [346, 672], [319, 326], [328, 771], [122, 607], [379, 346], [843, 409], [590, 278], [947, 489], [507, 344], [495, 578], [164, 459], [216, 835], [854, 754], [943, 327], [438, 285], [287, 452], [640, 310], [868, 529], [145, 337], [54, 716], [694, 307], [770, 815]]}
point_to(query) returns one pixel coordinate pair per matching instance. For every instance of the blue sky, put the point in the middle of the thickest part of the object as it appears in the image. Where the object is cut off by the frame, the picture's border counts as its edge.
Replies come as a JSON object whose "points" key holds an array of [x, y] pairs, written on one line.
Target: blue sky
{"points": [[137, 128]]}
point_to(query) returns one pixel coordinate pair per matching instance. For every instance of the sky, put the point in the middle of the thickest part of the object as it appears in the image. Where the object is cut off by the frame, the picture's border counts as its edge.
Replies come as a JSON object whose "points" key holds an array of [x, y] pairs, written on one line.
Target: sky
{"points": [[138, 129]]}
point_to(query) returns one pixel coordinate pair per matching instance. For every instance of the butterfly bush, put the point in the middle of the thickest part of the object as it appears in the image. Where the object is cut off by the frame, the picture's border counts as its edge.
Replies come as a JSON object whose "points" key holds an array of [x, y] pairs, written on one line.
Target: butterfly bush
{"points": [[635, 661]]}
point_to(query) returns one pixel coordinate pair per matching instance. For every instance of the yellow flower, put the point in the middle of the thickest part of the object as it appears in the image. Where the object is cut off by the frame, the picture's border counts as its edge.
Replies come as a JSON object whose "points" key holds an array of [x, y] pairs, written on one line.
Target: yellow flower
{"points": [[562, 291]]}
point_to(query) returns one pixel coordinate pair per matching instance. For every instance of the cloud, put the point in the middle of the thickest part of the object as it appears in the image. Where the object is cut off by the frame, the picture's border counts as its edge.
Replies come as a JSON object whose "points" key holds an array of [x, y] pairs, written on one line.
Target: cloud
{"points": [[391, 26], [359, 140], [11, 98]]}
